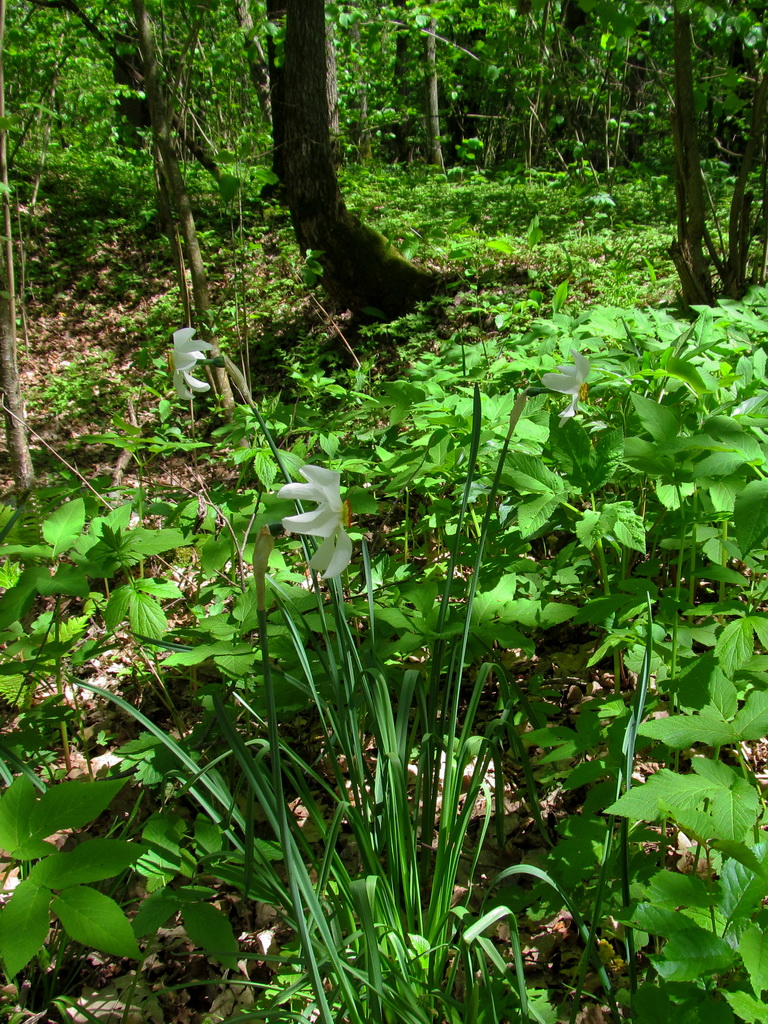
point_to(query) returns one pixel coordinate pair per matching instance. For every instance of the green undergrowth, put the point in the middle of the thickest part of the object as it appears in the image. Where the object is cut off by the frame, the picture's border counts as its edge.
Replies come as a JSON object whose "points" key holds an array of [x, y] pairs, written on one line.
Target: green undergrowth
{"points": [[538, 689]]}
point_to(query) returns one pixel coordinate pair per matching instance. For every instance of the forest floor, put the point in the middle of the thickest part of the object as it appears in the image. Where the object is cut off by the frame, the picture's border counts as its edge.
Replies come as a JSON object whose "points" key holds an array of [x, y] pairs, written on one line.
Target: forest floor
{"points": [[99, 305]]}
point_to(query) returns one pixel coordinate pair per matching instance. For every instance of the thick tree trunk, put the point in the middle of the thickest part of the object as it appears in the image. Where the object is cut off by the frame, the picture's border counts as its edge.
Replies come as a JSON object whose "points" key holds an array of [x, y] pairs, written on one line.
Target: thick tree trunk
{"points": [[688, 251], [10, 392], [360, 268], [177, 190], [434, 147]]}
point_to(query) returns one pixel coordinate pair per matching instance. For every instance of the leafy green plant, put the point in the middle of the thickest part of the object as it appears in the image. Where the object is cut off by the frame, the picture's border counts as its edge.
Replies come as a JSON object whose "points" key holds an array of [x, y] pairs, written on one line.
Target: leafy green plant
{"points": [[57, 882]]}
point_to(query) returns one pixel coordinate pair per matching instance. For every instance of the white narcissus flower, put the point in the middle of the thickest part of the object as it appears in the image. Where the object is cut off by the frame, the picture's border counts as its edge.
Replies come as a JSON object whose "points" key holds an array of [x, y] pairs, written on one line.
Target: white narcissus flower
{"points": [[569, 381], [327, 520], [187, 351]]}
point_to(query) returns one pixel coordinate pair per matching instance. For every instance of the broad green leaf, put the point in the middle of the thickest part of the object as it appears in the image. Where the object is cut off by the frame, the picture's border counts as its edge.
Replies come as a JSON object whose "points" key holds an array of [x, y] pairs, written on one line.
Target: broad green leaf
{"points": [[735, 645], [658, 920], [735, 811], [66, 580], [682, 370], [644, 803], [210, 929], [142, 543], [693, 953], [65, 526], [673, 889], [607, 457], [91, 861], [229, 185], [679, 731], [659, 420], [72, 804], [751, 723], [561, 294], [628, 527], [750, 515], [754, 952], [24, 922], [534, 514], [746, 1007], [96, 921], [16, 806], [154, 912], [144, 614], [571, 451]]}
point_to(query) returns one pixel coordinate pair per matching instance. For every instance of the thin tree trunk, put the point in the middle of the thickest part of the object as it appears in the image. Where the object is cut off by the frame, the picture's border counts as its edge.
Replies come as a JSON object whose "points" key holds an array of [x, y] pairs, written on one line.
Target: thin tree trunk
{"points": [[10, 391], [177, 189], [257, 62], [434, 148], [363, 127], [735, 269], [688, 251], [400, 73], [276, 16]]}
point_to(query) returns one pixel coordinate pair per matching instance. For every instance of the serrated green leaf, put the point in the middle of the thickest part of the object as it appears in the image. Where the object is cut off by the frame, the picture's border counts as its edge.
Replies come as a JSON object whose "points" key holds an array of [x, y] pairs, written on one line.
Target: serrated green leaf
{"points": [[746, 1007], [751, 723], [146, 616], [754, 952], [679, 731], [606, 458], [750, 515], [644, 803], [24, 923], [735, 811], [210, 929], [96, 921], [65, 526], [693, 953], [534, 514], [735, 646]]}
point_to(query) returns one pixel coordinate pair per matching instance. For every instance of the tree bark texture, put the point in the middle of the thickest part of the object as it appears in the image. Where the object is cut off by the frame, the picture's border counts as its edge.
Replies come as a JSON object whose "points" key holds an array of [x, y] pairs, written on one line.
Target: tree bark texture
{"points": [[170, 169], [360, 267], [10, 391], [688, 250], [434, 147], [332, 93]]}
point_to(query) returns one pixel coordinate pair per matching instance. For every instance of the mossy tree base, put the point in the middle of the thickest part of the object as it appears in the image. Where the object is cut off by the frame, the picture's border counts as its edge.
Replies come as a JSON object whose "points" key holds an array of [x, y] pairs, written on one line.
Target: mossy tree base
{"points": [[362, 269]]}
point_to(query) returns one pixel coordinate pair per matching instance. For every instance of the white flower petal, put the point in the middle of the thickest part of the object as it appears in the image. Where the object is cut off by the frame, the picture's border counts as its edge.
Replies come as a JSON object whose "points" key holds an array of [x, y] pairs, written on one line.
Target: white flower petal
{"points": [[562, 382], [333, 555], [182, 335], [185, 341], [325, 481], [571, 409], [322, 522], [581, 364], [301, 492], [181, 389], [194, 384]]}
